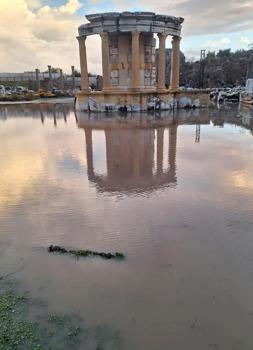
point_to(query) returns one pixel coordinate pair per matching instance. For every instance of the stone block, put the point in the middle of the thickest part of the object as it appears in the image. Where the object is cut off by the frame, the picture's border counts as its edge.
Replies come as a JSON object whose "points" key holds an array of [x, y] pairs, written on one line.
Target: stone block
{"points": [[148, 66], [147, 73], [114, 73], [114, 81], [147, 82], [114, 58], [114, 51]]}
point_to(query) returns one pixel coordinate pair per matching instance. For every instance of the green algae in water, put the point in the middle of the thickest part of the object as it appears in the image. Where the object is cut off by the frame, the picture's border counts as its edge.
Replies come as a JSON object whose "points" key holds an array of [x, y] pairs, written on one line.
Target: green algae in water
{"points": [[15, 331], [84, 253], [47, 331]]}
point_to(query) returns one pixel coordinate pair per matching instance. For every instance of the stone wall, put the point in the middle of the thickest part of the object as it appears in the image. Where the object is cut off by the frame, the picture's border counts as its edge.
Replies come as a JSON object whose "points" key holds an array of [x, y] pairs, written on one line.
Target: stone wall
{"points": [[120, 56]]}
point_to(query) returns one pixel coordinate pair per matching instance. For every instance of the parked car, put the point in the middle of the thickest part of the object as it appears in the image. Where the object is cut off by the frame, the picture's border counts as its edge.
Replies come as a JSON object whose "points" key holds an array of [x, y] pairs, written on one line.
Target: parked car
{"points": [[2, 90], [58, 92], [19, 90], [8, 90]]}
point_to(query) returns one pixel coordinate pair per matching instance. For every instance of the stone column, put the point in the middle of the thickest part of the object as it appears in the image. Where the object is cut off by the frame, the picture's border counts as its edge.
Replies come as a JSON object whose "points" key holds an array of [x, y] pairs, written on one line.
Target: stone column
{"points": [[50, 83], [61, 79], [135, 60], [73, 77], [106, 61], [161, 61], [83, 64], [37, 75], [175, 63]]}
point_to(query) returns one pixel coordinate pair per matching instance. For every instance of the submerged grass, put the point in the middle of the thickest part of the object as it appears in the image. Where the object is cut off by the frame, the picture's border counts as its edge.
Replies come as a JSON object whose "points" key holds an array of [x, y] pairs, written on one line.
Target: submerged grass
{"points": [[19, 332], [16, 332], [43, 331]]}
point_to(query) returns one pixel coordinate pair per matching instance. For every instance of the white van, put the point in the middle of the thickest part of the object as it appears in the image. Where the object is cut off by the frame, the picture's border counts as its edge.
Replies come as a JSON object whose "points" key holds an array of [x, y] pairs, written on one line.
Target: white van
{"points": [[2, 90]]}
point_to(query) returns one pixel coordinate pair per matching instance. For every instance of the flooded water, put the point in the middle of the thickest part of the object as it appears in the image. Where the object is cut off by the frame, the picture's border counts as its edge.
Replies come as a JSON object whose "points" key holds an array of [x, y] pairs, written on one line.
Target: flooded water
{"points": [[173, 192]]}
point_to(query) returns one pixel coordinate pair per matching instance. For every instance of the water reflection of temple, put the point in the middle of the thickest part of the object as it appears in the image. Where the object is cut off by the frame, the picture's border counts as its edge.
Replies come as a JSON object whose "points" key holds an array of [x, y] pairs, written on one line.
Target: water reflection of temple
{"points": [[135, 158]]}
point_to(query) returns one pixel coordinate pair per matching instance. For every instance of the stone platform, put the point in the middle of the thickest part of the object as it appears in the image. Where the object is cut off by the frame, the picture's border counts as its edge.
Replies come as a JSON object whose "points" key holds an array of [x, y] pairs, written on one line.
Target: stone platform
{"points": [[130, 101]]}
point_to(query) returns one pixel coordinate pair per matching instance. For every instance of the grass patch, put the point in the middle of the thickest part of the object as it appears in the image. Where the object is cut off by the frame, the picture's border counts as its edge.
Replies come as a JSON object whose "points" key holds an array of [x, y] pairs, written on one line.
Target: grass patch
{"points": [[15, 98]]}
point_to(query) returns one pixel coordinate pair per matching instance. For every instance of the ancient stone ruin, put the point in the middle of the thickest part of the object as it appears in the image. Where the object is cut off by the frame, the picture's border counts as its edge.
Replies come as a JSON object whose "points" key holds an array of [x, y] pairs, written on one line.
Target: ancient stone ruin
{"points": [[131, 80]]}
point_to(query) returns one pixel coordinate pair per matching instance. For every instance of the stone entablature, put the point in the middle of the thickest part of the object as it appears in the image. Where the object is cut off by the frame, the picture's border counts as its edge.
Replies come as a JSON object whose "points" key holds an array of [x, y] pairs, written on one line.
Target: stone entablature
{"points": [[146, 22]]}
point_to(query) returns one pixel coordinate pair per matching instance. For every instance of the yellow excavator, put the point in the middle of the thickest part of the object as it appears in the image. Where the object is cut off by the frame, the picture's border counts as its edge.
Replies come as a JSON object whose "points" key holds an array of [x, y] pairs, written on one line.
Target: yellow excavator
{"points": [[43, 93]]}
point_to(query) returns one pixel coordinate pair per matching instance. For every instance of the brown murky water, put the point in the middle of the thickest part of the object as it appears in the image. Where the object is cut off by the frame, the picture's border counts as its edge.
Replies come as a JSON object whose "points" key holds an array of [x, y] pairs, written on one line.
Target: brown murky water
{"points": [[173, 192]]}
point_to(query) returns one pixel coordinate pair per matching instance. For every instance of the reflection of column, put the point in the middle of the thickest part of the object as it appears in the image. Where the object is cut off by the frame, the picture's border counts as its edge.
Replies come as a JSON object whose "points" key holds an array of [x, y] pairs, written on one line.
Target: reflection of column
{"points": [[109, 151], [55, 118], [175, 63], [137, 154], [42, 117], [106, 61], [159, 150], [76, 118], [135, 60], [89, 152], [64, 115], [161, 61], [83, 63], [172, 146]]}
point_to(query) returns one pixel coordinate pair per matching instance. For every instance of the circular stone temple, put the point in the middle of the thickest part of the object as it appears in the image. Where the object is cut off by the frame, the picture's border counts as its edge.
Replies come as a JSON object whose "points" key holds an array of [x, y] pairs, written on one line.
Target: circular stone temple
{"points": [[133, 80]]}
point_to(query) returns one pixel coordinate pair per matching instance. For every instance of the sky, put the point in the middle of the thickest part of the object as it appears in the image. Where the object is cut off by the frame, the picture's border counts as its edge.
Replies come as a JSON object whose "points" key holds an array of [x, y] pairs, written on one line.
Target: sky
{"points": [[36, 33]]}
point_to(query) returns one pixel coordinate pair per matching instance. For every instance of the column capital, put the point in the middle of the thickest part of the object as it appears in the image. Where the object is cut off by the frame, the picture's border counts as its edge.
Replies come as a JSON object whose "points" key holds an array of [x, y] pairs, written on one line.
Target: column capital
{"points": [[81, 38], [104, 35], [176, 39], [162, 36], [135, 35]]}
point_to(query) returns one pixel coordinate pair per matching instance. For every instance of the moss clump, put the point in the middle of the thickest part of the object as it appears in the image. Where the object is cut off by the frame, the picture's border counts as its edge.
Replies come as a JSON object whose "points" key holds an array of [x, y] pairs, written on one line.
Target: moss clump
{"points": [[19, 332], [84, 253], [16, 332]]}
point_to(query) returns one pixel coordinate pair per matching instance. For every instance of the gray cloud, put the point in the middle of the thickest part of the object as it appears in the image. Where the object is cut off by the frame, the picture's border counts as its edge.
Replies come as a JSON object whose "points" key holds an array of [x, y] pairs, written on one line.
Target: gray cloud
{"points": [[203, 16]]}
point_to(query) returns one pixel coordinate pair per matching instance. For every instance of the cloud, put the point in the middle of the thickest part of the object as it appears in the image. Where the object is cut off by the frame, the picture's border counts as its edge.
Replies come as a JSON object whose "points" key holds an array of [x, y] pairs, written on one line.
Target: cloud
{"points": [[202, 16], [32, 37], [217, 44], [33, 4], [245, 40], [71, 6]]}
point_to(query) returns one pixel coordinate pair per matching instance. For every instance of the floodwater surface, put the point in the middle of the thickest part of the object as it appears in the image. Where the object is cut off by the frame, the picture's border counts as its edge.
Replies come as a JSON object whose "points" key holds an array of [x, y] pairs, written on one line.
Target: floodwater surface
{"points": [[173, 192]]}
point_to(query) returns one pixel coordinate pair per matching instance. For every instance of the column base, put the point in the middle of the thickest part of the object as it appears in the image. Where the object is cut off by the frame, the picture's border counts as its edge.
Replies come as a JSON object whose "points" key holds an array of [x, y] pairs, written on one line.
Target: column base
{"points": [[136, 89], [161, 90], [85, 91], [174, 88]]}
